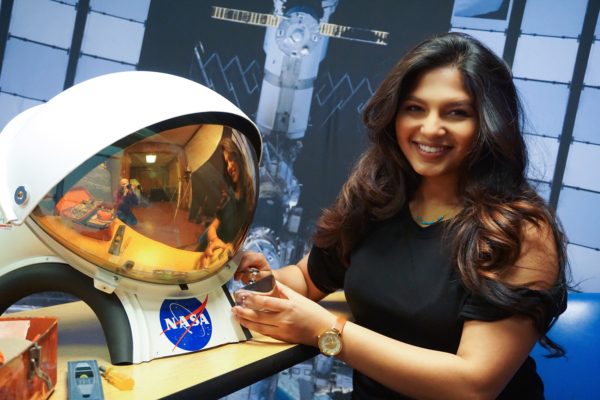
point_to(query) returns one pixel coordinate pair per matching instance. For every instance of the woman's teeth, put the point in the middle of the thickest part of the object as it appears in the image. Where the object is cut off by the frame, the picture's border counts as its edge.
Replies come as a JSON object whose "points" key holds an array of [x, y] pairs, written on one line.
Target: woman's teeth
{"points": [[430, 149]]}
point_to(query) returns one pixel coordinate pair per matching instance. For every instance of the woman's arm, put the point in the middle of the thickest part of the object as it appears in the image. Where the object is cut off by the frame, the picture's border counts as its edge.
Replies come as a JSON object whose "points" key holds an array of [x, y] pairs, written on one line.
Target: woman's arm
{"points": [[488, 356], [214, 242], [489, 353], [211, 231]]}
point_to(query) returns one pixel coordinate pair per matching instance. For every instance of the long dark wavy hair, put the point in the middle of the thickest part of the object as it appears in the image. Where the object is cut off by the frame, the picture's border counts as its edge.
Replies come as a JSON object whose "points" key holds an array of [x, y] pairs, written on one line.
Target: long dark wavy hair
{"points": [[486, 236], [245, 184]]}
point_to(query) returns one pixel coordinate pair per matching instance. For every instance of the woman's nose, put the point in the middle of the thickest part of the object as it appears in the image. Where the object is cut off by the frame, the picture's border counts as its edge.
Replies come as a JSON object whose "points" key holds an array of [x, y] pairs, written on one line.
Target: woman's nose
{"points": [[432, 125]]}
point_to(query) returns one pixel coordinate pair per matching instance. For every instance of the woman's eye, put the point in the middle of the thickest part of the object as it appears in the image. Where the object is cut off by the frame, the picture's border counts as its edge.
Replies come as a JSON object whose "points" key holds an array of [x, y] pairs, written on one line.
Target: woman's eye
{"points": [[412, 108], [459, 113]]}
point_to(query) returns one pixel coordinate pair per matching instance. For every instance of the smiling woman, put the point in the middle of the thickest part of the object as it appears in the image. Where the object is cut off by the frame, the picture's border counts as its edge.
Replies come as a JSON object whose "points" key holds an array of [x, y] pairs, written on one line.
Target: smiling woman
{"points": [[452, 265]]}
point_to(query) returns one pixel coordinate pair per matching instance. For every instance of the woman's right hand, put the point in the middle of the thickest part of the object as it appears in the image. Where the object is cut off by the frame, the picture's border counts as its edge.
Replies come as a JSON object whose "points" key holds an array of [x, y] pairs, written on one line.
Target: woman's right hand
{"points": [[213, 245], [252, 266]]}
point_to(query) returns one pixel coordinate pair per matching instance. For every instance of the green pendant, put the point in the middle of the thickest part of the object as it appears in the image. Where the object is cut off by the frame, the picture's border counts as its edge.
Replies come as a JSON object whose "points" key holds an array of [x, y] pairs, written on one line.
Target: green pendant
{"points": [[427, 223]]}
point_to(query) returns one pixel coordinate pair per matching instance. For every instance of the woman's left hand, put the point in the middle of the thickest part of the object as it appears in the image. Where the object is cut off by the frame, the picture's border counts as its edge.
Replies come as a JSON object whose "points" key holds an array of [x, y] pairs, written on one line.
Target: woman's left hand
{"points": [[292, 317]]}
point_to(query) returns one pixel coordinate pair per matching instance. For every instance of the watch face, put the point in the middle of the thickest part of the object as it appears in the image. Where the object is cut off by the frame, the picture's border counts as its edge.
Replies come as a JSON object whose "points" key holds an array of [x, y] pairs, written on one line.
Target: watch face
{"points": [[330, 343]]}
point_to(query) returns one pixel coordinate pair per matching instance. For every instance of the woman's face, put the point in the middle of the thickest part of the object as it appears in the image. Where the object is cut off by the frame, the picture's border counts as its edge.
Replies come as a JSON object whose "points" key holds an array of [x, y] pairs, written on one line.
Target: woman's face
{"points": [[436, 123], [232, 167]]}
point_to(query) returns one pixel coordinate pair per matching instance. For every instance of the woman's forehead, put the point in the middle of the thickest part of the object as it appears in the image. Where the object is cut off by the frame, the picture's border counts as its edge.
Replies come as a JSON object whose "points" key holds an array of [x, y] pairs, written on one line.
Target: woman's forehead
{"points": [[446, 82]]}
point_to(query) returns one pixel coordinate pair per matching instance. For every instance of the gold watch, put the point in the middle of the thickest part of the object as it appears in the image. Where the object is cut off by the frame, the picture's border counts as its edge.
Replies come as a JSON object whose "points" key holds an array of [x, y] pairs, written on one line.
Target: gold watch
{"points": [[330, 341]]}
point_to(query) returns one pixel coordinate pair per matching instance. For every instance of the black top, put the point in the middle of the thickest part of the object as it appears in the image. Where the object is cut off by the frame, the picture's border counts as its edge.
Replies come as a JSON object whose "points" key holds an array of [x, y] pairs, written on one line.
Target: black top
{"points": [[401, 283], [232, 215]]}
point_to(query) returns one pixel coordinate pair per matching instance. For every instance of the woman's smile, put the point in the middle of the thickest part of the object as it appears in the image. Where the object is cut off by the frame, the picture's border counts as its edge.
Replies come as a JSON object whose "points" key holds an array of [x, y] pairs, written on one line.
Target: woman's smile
{"points": [[431, 151]]}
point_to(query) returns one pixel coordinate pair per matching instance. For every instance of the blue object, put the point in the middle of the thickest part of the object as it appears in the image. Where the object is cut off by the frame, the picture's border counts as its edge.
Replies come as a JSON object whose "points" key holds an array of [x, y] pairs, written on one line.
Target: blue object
{"points": [[83, 380], [427, 223], [21, 195], [576, 376]]}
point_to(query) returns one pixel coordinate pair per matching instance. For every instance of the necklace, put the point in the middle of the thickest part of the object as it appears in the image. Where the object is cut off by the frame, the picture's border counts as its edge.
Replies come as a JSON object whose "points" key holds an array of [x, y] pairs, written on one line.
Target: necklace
{"points": [[427, 223]]}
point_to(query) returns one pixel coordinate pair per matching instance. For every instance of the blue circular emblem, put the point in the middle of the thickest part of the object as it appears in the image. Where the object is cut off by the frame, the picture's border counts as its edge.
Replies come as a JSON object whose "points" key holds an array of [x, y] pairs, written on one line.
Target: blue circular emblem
{"points": [[186, 323], [20, 196]]}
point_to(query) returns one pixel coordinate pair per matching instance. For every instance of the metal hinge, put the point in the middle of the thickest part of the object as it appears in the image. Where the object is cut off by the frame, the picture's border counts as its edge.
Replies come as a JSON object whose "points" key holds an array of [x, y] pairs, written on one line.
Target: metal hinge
{"points": [[35, 354]]}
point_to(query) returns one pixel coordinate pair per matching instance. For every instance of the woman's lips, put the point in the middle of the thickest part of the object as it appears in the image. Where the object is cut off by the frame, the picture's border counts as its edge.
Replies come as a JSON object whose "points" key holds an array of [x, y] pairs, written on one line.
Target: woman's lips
{"points": [[430, 151]]}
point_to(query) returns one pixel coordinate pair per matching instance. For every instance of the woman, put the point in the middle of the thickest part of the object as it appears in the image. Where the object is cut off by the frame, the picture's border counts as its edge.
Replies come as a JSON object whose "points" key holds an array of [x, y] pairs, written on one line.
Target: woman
{"points": [[125, 200], [452, 265], [236, 200]]}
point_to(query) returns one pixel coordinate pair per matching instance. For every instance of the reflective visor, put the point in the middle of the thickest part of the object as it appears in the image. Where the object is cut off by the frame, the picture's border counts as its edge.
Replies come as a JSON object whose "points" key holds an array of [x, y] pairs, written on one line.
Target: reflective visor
{"points": [[144, 207]]}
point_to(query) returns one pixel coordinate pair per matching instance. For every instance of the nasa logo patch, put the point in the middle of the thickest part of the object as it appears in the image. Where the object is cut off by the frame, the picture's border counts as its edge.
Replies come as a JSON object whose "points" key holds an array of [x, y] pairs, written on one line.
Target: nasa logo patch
{"points": [[186, 323]]}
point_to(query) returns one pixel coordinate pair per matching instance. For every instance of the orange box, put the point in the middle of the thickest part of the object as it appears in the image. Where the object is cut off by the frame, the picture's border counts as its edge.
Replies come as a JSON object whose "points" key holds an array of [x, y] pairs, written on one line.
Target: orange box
{"points": [[21, 378]]}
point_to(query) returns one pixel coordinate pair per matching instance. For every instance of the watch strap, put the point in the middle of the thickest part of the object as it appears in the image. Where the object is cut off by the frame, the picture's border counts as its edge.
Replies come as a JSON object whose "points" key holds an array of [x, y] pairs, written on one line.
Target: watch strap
{"points": [[339, 324]]}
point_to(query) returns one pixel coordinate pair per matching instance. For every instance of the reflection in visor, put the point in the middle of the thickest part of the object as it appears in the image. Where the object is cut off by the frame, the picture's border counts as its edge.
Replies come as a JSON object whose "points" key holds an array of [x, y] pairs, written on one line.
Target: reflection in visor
{"points": [[165, 207]]}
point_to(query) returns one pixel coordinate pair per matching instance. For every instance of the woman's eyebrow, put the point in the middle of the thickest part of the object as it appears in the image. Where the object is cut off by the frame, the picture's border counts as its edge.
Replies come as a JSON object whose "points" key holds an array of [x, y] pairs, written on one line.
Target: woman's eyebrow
{"points": [[411, 97], [453, 102], [463, 103]]}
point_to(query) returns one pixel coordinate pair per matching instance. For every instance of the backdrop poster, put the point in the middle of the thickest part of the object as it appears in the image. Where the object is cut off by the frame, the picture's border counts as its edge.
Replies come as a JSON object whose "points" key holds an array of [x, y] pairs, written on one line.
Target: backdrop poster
{"points": [[303, 71]]}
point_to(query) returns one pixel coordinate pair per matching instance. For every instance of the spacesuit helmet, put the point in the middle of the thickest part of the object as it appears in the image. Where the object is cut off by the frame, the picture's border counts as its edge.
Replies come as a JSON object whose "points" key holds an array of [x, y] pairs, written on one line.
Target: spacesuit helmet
{"points": [[146, 175]]}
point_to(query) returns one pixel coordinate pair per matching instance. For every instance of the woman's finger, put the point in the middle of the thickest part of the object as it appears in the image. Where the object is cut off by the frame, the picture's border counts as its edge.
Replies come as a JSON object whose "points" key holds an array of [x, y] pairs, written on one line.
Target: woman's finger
{"points": [[258, 317], [252, 259], [267, 330], [252, 266], [264, 303]]}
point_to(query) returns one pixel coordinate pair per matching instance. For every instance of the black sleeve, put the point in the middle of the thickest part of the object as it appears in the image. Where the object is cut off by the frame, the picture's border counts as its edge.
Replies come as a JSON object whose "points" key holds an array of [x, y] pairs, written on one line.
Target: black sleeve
{"points": [[543, 305], [479, 308], [325, 269]]}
